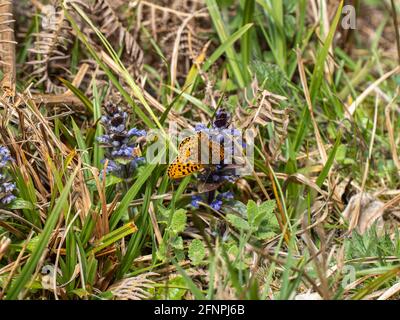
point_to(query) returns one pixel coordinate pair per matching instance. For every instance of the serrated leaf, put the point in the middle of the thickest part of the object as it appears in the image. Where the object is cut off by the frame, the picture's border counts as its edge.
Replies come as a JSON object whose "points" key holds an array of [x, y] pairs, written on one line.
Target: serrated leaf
{"points": [[177, 243], [266, 212], [197, 251], [179, 254], [178, 222], [252, 211], [238, 222], [263, 235], [162, 252]]}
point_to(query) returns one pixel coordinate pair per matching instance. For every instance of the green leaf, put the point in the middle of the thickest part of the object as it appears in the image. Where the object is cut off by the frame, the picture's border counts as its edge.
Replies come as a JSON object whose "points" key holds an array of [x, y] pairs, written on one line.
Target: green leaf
{"points": [[81, 293], [264, 235], [238, 222], [31, 246], [177, 243], [178, 222], [197, 251], [132, 192], [226, 45], [266, 212], [113, 237], [78, 93], [110, 181], [179, 254], [224, 37], [170, 291], [162, 252], [189, 282], [19, 204], [44, 237], [325, 171], [239, 260], [245, 43], [322, 55], [252, 211]]}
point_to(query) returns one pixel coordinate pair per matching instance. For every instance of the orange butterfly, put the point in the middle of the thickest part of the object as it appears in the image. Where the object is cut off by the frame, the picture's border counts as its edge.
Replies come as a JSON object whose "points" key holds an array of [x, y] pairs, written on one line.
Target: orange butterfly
{"points": [[192, 153]]}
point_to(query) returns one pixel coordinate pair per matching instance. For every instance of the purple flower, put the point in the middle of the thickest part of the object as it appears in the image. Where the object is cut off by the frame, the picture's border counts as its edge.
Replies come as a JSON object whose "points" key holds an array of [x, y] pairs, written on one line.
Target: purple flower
{"points": [[133, 164], [135, 132], [104, 139], [6, 187], [195, 201], [225, 195], [8, 199], [216, 203], [5, 156], [112, 166], [123, 152], [117, 129], [119, 142]]}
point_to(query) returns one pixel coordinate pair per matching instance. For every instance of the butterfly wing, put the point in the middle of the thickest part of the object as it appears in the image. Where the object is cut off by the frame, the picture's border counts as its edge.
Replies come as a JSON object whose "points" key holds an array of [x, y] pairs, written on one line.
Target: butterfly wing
{"points": [[193, 153], [211, 152], [186, 162], [178, 169]]}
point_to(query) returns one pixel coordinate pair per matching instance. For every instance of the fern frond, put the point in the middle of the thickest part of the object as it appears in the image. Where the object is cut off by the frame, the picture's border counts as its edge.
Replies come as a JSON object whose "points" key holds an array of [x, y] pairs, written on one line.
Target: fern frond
{"points": [[50, 54], [7, 47], [266, 109], [164, 20], [114, 30], [133, 288]]}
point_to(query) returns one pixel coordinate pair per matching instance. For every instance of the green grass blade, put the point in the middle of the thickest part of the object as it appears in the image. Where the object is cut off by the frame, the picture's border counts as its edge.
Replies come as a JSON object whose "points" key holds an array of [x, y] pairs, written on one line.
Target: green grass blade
{"points": [[223, 36], [191, 285], [226, 45], [44, 237], [133, 191], [78, 93], [245, 40], [322, 56], [324, 173]]}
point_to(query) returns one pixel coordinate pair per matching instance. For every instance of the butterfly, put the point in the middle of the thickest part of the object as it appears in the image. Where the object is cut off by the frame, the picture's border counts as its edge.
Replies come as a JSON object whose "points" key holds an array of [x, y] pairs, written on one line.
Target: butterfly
{"points": [[194, 154]]}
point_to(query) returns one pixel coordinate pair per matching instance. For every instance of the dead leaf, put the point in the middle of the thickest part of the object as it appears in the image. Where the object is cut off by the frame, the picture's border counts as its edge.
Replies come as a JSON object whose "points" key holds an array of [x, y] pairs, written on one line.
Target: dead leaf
{"points": [[371, 210]]}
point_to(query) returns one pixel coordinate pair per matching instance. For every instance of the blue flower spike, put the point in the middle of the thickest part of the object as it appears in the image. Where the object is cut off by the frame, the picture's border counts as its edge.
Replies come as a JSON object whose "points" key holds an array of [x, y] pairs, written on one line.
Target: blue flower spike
{"points": [[7, 187], [119, 142]]}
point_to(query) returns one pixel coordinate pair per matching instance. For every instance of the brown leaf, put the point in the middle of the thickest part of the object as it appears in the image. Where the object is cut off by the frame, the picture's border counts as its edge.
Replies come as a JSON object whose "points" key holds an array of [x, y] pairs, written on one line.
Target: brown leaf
{"points": [[371, 210]]}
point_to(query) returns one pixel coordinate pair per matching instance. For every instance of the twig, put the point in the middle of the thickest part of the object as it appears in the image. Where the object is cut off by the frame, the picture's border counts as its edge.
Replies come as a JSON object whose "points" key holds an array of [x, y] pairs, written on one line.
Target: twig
{"points": [[396, 28]]}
